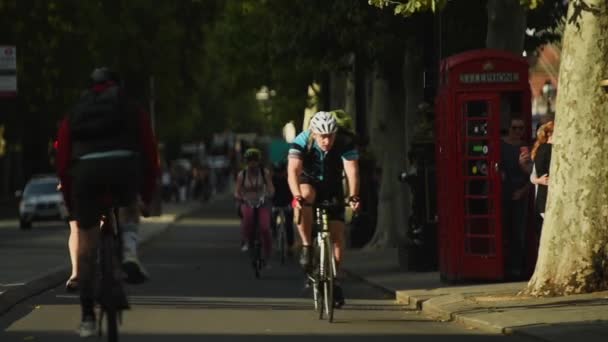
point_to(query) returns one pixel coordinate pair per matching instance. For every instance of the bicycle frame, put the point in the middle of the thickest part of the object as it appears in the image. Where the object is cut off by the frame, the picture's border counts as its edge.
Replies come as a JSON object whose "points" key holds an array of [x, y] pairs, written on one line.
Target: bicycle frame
{"points": [[256, 246]]}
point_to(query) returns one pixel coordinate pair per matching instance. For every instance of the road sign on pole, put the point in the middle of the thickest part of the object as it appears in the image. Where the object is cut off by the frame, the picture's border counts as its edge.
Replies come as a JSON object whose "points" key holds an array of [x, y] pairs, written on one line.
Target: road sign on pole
{"points": [[8, 71]]}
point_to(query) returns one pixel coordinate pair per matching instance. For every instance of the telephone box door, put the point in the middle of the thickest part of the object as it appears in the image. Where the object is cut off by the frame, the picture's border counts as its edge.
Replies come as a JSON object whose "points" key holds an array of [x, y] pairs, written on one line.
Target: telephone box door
{"points": [[479, 135]]}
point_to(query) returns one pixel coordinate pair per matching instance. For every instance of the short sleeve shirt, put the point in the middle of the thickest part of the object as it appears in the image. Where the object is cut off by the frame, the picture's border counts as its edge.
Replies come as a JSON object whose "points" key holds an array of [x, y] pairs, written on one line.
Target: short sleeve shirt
{"points": [[320, 165]]}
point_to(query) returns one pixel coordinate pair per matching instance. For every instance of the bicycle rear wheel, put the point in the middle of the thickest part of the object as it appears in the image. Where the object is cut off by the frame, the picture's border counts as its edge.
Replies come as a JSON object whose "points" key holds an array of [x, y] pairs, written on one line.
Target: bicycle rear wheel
{"points": [[112, 325], [281, 243], [112, 297]]}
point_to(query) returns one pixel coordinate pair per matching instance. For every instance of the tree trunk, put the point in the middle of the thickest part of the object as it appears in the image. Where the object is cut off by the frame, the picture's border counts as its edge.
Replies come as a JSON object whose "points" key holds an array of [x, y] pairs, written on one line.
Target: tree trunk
{"points": [[506, 26], [413, 76], [573, 255], [337, 91], [361, 99], [389, 149]]}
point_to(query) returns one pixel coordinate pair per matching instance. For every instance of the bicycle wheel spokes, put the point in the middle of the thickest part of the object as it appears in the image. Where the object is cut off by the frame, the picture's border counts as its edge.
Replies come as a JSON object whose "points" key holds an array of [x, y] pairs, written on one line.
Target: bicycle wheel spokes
{"points": [[320, 298], [112, 325], [328, 299], [329, 283], [108, 298], [282, 245]]}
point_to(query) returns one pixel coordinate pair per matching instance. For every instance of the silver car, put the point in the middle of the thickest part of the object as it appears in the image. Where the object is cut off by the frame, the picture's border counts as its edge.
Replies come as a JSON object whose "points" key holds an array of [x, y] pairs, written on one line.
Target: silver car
{"points": [[41, 201]]}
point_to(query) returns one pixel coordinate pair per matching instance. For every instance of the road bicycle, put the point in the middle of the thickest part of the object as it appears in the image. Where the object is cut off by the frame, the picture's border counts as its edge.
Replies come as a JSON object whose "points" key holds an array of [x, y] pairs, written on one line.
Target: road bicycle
{"points": [[255, 240], [110, 294], [323, 274], [281, 233]]}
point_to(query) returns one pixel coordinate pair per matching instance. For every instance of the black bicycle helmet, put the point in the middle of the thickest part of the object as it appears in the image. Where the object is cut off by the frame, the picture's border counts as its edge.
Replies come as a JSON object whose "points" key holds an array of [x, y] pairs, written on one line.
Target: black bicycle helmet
{"points": [[103, 74], [253, 154]]}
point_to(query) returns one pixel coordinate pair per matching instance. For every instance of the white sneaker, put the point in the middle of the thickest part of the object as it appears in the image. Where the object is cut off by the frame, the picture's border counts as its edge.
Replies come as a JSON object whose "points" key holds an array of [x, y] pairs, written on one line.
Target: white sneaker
{"points": [[244, 248], [87, 328]]}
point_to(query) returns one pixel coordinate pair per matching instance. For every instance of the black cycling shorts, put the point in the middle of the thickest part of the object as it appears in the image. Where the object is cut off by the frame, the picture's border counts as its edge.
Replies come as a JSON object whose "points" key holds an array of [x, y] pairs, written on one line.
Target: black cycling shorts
{"points": [[94, 180], [328, 190]]}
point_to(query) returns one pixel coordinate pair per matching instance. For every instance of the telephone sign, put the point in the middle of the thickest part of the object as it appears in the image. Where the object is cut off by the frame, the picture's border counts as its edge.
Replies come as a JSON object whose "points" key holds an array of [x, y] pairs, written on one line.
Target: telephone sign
{"points": [[8, 71]]}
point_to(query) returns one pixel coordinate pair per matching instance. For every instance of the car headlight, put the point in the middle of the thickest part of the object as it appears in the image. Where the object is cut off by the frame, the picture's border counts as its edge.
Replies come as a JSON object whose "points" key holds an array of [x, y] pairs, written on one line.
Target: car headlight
{"points": [[23, 206]]}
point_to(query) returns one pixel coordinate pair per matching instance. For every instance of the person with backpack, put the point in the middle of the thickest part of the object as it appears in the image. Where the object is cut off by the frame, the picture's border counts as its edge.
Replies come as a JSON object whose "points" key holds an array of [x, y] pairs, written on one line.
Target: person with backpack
{"points": [[104, 144], [252, 183], [318, 157]]}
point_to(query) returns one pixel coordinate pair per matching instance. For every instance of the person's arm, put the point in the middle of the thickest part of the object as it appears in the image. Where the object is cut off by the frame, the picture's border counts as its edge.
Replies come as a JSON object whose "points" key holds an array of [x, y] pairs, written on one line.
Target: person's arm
{"points": [[534, 176], [151, 159], [269, 185], [63, 158], [294, 170], [238, 186], [351, 169], [525, 162], [295, 165]]}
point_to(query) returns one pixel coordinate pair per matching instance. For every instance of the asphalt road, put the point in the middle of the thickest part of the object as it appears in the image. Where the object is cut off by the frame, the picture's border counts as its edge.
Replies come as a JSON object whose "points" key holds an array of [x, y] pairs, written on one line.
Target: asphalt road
{"points": [[204, 290]]}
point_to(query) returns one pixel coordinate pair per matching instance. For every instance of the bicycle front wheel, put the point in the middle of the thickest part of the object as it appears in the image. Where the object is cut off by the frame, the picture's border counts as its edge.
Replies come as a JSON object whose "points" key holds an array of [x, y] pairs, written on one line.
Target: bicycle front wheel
{"points": [[328, 285]]}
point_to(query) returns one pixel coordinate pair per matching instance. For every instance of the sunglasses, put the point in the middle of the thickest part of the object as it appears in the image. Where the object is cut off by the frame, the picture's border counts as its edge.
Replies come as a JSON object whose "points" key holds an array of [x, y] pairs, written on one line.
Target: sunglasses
{"points": [[517, 127]]}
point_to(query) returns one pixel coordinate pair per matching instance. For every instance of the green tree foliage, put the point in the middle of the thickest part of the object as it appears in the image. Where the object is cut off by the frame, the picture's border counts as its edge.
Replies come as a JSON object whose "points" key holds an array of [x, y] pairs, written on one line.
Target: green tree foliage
{"points": [[409, 7]]}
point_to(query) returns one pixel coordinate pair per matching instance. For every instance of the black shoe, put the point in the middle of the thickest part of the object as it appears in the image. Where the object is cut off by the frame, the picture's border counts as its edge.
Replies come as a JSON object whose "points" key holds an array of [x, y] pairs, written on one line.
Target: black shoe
{"points": [[306, 258], [338, 297], [134, 271]]}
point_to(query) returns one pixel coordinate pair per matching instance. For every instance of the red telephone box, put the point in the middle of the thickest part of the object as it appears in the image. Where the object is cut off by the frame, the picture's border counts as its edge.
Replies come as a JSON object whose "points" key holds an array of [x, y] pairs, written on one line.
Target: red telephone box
{"points": [[480, 91]]}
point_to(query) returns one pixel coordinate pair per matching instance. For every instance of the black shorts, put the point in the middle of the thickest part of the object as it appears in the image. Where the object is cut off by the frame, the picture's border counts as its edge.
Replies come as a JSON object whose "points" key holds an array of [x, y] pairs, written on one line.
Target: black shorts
{"points": [[94, 180], [328, 190]]}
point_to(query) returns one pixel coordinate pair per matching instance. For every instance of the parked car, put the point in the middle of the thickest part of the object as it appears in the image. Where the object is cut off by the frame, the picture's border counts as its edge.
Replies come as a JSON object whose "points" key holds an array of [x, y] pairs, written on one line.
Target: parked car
{"points": [[41, 200]]}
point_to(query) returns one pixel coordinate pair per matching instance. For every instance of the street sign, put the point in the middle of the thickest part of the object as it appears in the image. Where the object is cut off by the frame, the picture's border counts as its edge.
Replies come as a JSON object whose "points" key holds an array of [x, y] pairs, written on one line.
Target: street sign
{"points": [[8, 71], [8, 58]]}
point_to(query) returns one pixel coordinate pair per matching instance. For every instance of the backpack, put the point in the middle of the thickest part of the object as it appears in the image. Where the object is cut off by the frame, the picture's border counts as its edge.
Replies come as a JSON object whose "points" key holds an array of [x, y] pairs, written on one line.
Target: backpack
{"points": [[102, 121], [97, 113]]}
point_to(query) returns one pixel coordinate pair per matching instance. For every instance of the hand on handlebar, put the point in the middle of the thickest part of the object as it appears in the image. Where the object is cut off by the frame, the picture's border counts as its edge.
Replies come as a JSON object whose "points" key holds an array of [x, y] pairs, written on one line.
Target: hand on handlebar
{"points": [[297, 202]]}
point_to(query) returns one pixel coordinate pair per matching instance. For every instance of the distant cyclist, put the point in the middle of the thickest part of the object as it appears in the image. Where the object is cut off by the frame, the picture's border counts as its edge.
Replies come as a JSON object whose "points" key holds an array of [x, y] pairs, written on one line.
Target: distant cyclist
{"points": [[105, 144], [282, 201], [252, 183], [317, 159]]}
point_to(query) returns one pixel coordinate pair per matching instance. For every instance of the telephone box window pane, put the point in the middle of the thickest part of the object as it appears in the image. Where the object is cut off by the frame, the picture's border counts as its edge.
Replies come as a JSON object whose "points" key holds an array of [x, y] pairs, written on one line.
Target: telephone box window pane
{"points": [[476, 109], [480, 246], [477, 168], [479, 225], [476, 128], [481, 206], [477, 187], [478, 148]]}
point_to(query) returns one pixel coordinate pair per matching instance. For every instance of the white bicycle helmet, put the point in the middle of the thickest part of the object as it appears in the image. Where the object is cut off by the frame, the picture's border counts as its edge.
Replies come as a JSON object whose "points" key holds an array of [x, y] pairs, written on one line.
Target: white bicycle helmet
{"points": [[323, 123]]}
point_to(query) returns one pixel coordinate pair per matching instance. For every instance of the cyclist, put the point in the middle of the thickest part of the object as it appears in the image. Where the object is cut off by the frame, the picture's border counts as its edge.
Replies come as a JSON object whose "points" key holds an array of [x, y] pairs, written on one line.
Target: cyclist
{"points": [[282, 200], [105, 144], [252, 183], [317, 158]]}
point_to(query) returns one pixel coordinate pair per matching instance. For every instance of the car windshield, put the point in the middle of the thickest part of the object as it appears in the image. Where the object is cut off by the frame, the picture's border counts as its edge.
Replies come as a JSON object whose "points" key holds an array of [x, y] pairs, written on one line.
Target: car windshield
{"points": [[41, 188]]}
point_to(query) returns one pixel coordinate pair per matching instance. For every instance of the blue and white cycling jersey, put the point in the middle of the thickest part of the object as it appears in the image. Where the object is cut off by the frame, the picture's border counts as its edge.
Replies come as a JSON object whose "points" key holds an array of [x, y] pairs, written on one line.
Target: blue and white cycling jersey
{"points": [[322, 166]]}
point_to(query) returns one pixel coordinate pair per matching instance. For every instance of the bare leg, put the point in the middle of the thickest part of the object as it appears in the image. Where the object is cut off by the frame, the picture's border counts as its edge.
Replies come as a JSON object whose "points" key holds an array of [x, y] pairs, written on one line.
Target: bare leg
{"points": [[87, 244], [337, 236], [73, 248], [305, 225]]}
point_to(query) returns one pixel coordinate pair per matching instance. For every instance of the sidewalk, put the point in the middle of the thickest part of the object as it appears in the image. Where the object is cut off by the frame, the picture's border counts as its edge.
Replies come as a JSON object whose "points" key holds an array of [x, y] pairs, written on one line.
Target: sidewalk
{"points": [[33, 263], [490, 307]]}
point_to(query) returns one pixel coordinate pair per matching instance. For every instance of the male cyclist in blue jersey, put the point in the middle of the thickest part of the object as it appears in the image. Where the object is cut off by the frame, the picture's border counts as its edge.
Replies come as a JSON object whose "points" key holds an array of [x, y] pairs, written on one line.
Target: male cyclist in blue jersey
{"points": [[317, 159]]}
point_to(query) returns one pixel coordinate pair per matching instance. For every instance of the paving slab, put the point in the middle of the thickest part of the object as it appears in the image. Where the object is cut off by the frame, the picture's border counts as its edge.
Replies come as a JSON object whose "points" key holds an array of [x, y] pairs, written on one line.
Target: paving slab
{"points": [[496, 307]]}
